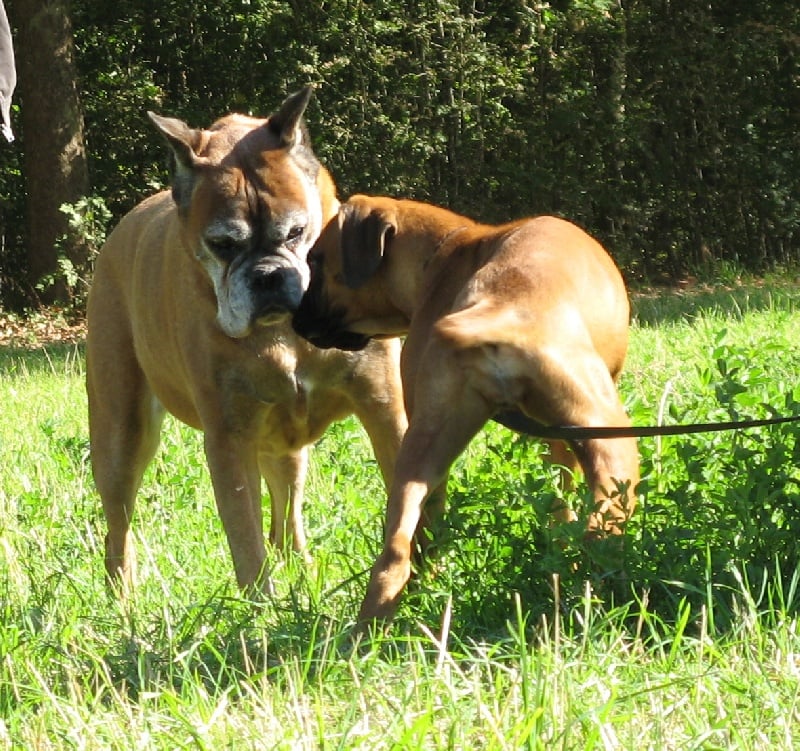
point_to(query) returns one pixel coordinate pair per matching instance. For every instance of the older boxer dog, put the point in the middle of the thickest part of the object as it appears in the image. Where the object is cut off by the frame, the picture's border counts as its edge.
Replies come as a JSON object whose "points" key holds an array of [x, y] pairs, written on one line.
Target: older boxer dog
{"points": [[529, 316], [189, 312]]}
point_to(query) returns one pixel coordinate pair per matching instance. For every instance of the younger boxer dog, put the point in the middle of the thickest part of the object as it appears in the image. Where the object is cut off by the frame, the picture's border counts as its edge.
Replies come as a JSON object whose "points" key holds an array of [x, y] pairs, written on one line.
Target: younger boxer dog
{"points": [[529, 316], [189, 312]]}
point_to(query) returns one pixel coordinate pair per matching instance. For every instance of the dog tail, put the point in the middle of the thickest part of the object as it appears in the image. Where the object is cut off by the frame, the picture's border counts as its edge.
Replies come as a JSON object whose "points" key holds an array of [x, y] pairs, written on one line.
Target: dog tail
{"points": [[484, 324]]}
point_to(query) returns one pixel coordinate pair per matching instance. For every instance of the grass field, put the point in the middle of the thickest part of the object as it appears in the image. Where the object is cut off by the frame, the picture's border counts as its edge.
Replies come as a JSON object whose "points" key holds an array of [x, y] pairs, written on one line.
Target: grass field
{"points": [[512, 640]]}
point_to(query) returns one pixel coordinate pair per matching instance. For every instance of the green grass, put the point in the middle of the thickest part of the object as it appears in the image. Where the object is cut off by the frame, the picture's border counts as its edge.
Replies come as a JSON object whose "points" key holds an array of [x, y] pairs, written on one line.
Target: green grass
{"points": [[512, 640]]}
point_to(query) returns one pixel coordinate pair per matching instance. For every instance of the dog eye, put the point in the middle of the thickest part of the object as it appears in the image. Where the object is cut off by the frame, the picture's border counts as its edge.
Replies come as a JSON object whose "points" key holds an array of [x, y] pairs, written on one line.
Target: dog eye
{"points": [[295, 232], [225, 249]]}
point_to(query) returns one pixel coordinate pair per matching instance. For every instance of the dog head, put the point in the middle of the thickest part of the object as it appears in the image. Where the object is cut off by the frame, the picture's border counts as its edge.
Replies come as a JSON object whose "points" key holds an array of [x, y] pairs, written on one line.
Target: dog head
{"points": [[349, 299], [252, 199]]}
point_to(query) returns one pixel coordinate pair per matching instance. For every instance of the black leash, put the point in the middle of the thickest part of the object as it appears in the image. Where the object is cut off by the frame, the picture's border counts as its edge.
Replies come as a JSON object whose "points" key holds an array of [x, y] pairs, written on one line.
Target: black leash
{"points": [[521, 423]]}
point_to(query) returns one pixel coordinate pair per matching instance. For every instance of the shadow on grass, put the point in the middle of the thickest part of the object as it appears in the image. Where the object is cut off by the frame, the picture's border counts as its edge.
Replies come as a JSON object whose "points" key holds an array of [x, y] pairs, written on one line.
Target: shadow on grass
{"points": [[654, 306], [41, 360]]}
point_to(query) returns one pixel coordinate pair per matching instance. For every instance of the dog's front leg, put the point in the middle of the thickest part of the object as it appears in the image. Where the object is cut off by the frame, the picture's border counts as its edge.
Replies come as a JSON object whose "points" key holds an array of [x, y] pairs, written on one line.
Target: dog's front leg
{"points": [[237, 488], [430, 446], [392, 570], [286, 477]]}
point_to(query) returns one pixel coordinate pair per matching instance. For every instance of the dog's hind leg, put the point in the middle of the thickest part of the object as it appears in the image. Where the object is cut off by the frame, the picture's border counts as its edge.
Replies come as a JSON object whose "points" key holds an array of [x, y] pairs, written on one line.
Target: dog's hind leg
{"points": [[575, 388], [560, 455], [285, 477], [611, 468]]}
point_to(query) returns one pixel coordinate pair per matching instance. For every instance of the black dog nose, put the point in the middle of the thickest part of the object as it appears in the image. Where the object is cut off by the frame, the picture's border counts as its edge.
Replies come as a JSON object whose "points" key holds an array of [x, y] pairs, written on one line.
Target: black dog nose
{"points": [[272, 281], [276, 291]]}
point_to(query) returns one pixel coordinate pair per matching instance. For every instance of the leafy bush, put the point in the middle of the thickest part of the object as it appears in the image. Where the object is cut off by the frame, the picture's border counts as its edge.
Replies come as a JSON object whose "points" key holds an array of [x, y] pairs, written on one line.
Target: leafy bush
{"points": [[713, 507]]}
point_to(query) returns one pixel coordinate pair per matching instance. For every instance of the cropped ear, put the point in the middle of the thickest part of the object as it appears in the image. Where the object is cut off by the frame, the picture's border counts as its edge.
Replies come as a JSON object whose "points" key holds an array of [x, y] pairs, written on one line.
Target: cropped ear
{"points": [[184, 142], [364, 238], [287, 122]]}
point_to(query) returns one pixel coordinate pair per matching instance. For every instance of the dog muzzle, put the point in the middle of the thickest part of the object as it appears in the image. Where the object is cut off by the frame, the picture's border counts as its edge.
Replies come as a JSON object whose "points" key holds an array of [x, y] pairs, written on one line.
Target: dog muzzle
{"points": [[325, 333]]}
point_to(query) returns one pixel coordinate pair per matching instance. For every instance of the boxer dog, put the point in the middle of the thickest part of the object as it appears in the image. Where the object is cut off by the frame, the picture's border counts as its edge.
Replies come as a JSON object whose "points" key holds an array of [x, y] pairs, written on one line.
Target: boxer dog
{"points": [[189, 312], [530, 316]]}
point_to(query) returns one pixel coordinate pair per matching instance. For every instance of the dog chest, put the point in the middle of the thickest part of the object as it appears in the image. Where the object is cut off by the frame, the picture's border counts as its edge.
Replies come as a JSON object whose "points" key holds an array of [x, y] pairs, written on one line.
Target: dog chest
{"points": [[285, 399]]}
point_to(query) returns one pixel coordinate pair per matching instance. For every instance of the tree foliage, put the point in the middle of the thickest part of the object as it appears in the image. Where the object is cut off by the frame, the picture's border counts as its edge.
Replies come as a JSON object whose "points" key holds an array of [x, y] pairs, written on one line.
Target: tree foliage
{"points": [[668, 129]]}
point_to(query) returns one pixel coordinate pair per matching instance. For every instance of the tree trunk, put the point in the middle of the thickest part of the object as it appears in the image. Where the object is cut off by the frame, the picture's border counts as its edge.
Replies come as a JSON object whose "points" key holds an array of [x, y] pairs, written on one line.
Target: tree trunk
{"points": [[52, 133]]}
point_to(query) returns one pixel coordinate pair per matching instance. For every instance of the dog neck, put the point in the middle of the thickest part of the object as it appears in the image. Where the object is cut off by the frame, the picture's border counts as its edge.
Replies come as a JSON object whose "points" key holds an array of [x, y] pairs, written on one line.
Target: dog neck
{"points": [[426, 236]]}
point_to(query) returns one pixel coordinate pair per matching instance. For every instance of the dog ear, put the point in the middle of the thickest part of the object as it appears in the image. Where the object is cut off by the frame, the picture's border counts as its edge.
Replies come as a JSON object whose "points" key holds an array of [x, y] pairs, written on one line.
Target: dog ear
{"points": [[287, 123], [182, 139], [363, 239], [184, 142]]}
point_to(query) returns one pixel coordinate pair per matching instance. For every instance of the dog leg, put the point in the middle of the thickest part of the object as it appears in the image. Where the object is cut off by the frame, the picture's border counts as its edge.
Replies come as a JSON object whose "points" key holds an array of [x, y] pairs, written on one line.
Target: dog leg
{"points": [[560, 455], [432, 513], [386, 428], [233, 464], [430, 446], [580, 391], [611, 468], [123, 441], [286, 477]]}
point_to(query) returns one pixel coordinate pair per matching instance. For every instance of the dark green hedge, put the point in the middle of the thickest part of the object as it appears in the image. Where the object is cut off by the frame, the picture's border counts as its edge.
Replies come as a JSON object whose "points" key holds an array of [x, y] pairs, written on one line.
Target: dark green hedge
{"points": [[669, 129]]}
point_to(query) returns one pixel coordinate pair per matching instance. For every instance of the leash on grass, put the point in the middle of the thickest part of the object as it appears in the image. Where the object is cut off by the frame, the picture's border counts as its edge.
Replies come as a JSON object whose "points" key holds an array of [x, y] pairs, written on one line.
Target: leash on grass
{"points": [[523, 424]]}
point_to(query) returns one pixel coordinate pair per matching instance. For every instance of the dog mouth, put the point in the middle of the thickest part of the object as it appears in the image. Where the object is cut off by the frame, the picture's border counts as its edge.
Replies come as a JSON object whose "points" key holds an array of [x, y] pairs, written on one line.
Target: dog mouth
{"points": [[345, 340], [271, 315], [327, 332]]}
